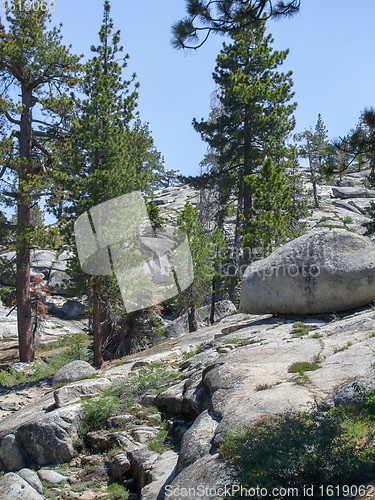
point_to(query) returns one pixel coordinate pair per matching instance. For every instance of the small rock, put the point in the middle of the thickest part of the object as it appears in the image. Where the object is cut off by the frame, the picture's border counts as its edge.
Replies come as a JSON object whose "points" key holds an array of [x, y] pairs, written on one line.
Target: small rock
{"points": [[99, 441], [20, 366], [223, 350], [32, 478], [51, 476], [119, 420], [10, 406], [73, 309], [14, 487], [139, 364], [75, 370], [143, 436], [119, 465]]}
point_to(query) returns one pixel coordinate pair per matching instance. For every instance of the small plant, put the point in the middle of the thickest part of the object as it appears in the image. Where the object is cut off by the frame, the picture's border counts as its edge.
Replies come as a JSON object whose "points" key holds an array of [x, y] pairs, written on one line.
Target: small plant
{"points": [[117, 492], [352, 229], [317, 335], [300, 329], [235, 341], [325, 218], [125, 397], [348, 220], [303, 366], [158, 443], [366, 183], [193, 353]]}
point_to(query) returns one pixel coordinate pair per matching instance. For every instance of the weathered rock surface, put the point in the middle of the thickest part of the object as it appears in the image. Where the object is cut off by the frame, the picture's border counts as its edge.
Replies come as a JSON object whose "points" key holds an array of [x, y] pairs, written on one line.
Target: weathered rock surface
{"points": [[197, 441], [50, 438], [51, 476], [72, 393], [206, 479], [353, 391], [14, 487], [11, 457], [353, 192], [76, 370], [44, 261], [179, 326], [162, 473], [319, 272], [32, 478]]}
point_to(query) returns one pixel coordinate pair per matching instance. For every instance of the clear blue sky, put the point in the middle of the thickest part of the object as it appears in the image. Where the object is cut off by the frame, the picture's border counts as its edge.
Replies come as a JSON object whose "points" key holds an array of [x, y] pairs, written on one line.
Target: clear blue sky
{"points": [[332, 51]]}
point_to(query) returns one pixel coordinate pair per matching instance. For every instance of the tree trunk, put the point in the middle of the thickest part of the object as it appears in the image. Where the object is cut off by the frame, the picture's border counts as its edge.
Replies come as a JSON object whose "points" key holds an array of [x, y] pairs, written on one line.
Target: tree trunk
{"points": [[315, 192], [213, 301], [97, 328], [236, 254], [24, 319], [193, 325]]}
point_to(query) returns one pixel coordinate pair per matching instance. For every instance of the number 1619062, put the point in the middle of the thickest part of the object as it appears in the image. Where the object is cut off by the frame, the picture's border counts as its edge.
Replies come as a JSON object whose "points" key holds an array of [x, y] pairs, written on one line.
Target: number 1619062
{"points": [[28, 5]]}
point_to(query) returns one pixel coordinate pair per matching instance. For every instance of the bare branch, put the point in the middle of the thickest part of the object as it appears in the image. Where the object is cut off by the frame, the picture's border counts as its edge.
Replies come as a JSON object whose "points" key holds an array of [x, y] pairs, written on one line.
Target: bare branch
{"points": [[12, 120]]}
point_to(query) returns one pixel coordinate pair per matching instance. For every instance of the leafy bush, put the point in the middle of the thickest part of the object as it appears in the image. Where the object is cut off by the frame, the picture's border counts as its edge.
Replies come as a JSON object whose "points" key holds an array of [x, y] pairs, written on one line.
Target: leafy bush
{"points": [[125, 397], [97, 410], [297, 449]]}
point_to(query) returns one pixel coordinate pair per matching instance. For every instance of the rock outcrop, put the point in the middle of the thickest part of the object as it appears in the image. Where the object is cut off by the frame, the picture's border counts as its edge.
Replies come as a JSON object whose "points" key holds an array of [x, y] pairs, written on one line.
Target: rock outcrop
{"points": [[44, 261], [319, 272]]}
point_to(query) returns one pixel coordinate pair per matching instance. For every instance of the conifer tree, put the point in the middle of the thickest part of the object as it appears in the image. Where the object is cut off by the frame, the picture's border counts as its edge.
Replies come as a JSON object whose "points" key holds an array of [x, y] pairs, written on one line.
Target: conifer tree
{"points": [[316, 148], [269, 225], [110, 154], [201, 251], [34, 60], [251, 120]]}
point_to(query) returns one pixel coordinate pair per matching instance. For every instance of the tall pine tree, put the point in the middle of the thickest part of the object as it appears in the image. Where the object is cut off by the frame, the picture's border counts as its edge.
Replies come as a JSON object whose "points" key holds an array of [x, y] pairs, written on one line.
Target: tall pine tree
{"points": [[251, 120], [34, 60], [316, 148], [110, 154]]}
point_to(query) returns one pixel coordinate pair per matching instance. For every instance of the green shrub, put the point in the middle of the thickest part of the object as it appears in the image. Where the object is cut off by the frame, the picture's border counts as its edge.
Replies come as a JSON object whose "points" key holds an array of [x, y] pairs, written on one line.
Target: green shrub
{"points": [[293, 450], [125, 397], [97, 410], [303, 366], [117, 492]]}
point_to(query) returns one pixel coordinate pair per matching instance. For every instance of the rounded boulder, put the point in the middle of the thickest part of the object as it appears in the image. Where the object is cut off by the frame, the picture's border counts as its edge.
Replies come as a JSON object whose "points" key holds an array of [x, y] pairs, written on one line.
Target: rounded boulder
{"points": [[319, 272]]}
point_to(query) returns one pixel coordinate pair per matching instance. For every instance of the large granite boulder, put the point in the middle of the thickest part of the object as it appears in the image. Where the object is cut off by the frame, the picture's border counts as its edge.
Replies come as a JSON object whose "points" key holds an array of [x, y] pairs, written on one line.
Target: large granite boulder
{"points": [[319, 272]]}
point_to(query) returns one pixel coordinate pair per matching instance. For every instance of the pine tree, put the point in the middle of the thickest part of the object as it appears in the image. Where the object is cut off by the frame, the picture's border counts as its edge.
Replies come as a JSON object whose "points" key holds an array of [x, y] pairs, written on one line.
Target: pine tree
{"points": [[251, 121], [269, 225], [201, 252], [110, 154], [35, 61], [225, 17], [316, 148]]}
